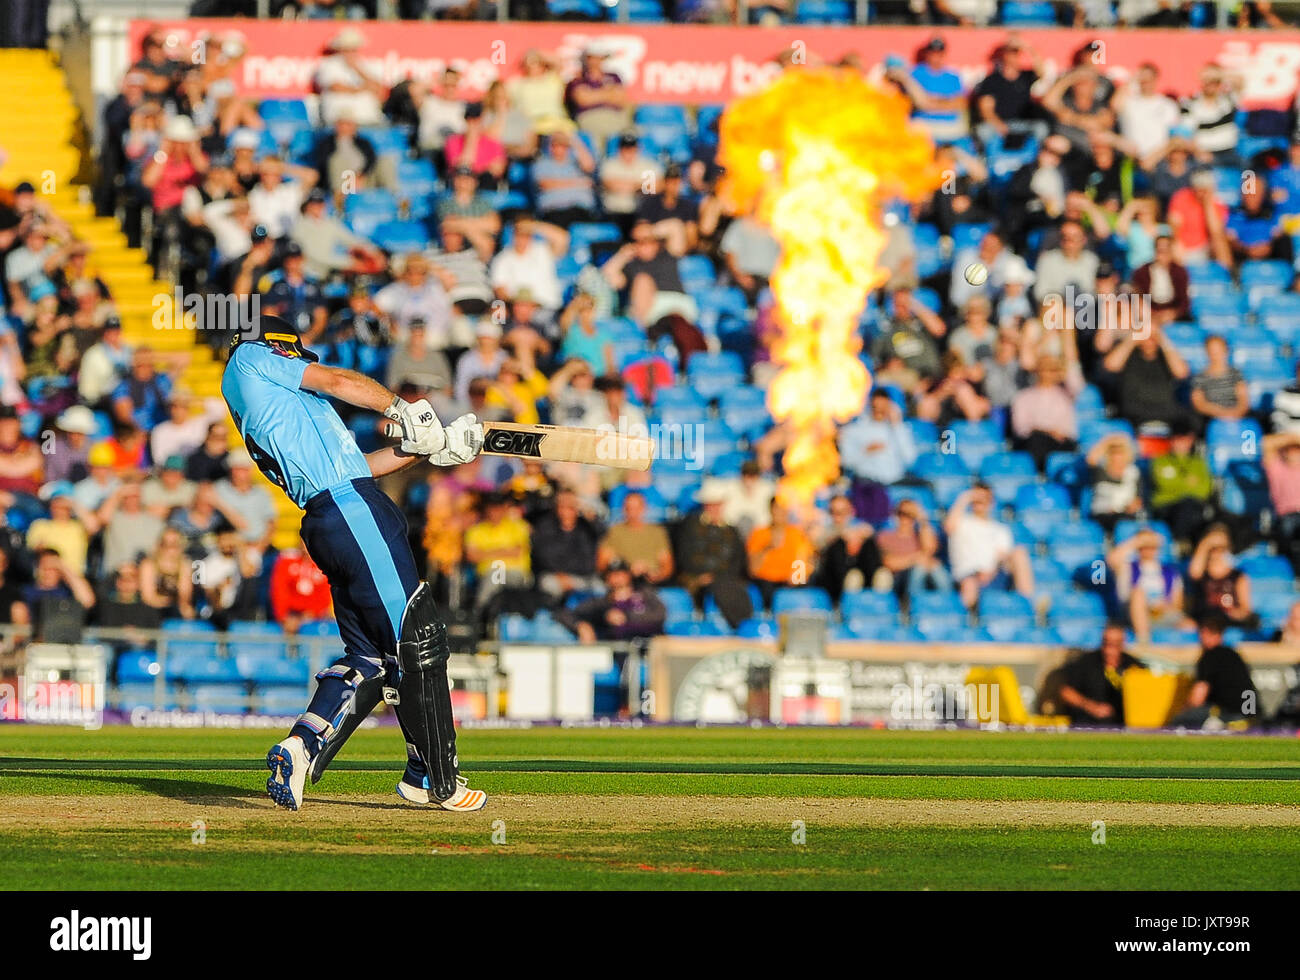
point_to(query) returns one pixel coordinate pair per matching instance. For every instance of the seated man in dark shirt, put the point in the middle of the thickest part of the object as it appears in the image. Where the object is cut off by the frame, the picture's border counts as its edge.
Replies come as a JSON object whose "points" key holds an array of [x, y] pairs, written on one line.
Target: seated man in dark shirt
{"points": [[650, 276], [626, 610], [1223, 689], [711, 558], [564, 548], [1092, 688], [1146, 373], [673, 217]]}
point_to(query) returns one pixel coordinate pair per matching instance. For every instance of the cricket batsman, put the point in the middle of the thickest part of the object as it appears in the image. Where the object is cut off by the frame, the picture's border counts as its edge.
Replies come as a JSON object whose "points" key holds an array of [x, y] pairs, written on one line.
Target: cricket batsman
{"points": [[395, 644]]}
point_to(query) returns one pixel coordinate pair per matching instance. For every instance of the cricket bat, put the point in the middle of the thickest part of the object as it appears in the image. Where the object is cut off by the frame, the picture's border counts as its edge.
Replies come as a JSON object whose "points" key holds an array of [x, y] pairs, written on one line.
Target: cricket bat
{"points": [[563, 443]]}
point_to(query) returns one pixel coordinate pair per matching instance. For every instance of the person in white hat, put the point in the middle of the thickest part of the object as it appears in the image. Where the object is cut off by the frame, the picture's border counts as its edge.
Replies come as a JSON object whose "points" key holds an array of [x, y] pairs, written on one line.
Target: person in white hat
{"points": [[712, 558], [345, 83], [178, 163], [68, 447], [251, 501]]}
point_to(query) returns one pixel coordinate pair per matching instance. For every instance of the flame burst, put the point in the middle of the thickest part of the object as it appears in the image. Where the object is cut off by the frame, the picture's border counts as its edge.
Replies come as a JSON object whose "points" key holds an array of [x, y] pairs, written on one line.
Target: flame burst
{"points": [[813, 156]]}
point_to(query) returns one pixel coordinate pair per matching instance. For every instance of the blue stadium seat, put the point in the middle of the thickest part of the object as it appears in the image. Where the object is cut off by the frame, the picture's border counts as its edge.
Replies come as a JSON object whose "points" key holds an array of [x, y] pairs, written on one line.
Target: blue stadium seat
{"points": [[264, 669], [924, 496], [1264, 279], [201, 668], [1080, 632], [1262, 568], [708, 628], [678, 602], [800, 599], [1172, 636], [758, 629], [1028, 13], [128, 697], [401, 236], [726, 465], [824, 12], [137, 666], [1273, 607], [221, 699], [190, 645], [1073, 604], [416, 177], [1043, 496], [1090, 432], [514, 628], [869, 604], [696, 272], [1232, 440], [1049, 574], [388, 139]]}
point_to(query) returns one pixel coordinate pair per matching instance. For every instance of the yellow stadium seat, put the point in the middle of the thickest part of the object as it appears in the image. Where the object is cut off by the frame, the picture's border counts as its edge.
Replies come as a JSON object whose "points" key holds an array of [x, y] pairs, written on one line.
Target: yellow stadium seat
{"points": [[1151, 700]]}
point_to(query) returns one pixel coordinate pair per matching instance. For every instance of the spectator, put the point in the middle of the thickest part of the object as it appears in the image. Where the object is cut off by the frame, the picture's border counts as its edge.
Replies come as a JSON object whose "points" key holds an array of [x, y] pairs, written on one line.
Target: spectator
{"points": [[178, 163], [597, 99], [53, 582], [228, 576], [141, 399], [415, 365], [1254, 229], [201, 519], [780, 554], [876, 450], [166, 577], [1219, 391], [566, 192], [468, 213], [1216, 584], [1036, 192], [499, 547], [507, 123], [1149, 588], [953, 396], [441, 113], [13, 610], [1282, 468], [909, 553], [538, 91], [246, 504], [1072, 265], [476, 149], [484, 360], [624, 176], [1043, 418], [564, 548], [976, 337], [650, 276], [68, 452], [848, 559], [299, 590], [574, 399], [91, 492], [1078, 102], [529, 263], [130, 531], [21, 463], [1212, 113], [674, 218], [1146, 115], [120, 605], [66, 531], [328, 247], [750, 254], [981, 550], [168, 490], [626, 611], [419, 295], [937, 93], [1223, 689], [1114, 479], [462, 265], [347, 162], [1093, 687], [584, 337], [642, 547], [345, 84], [1004, 375], [207, 464], [748, 498], [991, 253], [183, 432], [1286, 407], [906, 347], [1003, 101], [711, 557], [1181, 486], [1147, 371], [275, 202], [1166, 281], [1198, 218]]}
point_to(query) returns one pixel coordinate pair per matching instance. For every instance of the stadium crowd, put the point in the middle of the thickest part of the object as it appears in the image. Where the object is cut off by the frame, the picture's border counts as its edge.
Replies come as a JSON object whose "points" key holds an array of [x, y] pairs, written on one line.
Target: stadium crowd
{"points": [[1107, 427]]}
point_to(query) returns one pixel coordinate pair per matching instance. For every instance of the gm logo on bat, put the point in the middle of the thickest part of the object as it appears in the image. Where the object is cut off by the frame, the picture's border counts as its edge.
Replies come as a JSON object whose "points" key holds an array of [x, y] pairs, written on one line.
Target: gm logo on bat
{"points": [[514, 443]]}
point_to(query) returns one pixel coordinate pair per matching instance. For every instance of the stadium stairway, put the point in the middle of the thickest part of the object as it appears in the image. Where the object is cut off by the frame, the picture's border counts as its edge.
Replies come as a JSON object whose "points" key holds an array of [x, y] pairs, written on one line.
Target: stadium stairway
{"points": [[44, 143]]}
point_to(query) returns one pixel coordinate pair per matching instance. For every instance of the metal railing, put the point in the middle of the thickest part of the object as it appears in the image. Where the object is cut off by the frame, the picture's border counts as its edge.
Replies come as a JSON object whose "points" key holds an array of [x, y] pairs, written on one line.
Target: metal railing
{"points": [[478, 671]]}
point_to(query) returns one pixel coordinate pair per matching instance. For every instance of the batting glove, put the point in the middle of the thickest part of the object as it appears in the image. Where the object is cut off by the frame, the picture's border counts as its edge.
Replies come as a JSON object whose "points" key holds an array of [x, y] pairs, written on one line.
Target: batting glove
{"points": [[464, 442], [420, 431]]}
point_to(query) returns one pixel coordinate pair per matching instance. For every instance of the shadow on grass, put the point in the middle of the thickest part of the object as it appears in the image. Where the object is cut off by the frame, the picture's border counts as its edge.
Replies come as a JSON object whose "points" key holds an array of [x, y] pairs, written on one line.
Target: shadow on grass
{"points": [[173, 789]]}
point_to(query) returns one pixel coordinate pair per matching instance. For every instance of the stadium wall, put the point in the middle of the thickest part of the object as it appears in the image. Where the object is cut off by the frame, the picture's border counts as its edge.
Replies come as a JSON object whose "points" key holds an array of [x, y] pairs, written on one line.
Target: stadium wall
{"points": [[697, 64]]}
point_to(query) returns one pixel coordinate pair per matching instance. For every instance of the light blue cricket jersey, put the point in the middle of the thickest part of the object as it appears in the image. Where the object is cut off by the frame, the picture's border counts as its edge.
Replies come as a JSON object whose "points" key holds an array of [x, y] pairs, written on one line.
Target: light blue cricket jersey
{"points": [[294, 436]]}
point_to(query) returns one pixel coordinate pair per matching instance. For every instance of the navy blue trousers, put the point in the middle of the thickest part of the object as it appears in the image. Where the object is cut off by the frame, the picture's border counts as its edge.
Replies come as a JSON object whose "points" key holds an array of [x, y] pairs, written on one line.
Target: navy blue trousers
{"points": [[358, 538]]}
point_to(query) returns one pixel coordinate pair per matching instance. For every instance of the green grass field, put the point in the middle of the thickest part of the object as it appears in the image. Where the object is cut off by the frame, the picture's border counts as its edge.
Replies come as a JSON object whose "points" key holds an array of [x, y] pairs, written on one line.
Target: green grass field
{"points": [[660, 808]]}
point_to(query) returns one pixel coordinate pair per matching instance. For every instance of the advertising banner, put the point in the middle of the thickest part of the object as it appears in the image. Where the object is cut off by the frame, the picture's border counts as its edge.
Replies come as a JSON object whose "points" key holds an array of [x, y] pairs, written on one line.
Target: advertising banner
{"points": [[704, 64]]}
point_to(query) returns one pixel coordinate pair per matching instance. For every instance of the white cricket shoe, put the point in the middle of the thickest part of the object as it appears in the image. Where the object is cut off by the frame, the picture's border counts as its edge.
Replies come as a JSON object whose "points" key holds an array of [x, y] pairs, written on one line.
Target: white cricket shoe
{"points": [[464, 800], [288, 763]]}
